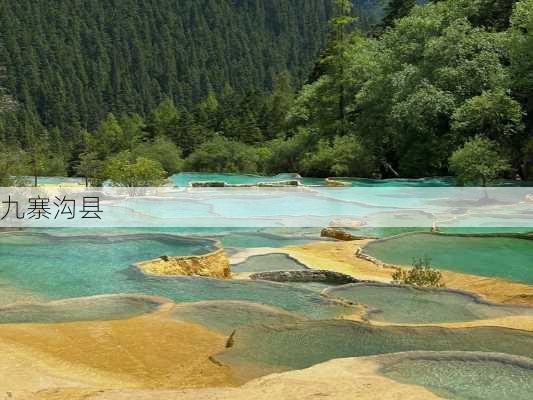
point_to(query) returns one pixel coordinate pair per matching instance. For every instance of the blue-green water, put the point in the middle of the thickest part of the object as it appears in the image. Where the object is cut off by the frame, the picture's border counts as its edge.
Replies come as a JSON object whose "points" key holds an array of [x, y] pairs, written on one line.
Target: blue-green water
{"points": [[237, 238], [501, 257], [405, 304], [465, 380], [424, 182], [303, 344], [268, 262], [227, 316], [259, 239], [381, 232], [185, 178], [69, 267], [86, 309]]}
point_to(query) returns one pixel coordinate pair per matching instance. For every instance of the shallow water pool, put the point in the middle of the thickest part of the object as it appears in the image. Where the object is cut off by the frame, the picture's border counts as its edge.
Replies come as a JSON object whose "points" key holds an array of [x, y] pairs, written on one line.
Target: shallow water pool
{"points": [[465, 380], [303, 344], [184, 178], [79, 266], [406, 304], [245, 240], [501, 257], [268, 262], [227, 316], [86, 309]]}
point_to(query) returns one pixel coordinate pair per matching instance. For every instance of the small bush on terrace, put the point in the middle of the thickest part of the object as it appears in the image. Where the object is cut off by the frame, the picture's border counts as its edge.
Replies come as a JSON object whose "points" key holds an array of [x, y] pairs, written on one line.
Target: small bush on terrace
{"points": [[421, 275]]}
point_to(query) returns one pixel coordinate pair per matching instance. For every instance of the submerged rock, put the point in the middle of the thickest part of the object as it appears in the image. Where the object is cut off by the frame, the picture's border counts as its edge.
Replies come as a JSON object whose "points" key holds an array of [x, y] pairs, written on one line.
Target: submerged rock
{"points": [[322, 276], [208, 184], [336, 183], [221, 184], [279, 183]]}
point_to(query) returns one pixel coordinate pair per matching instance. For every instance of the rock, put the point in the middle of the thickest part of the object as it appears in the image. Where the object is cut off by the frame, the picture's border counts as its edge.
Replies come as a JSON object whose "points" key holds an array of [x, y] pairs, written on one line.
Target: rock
{"points": [[213, 265], [322, 276], [363, 256], [339, 234], [221, 184], [279, 184], [214, 184], [335, 183]]}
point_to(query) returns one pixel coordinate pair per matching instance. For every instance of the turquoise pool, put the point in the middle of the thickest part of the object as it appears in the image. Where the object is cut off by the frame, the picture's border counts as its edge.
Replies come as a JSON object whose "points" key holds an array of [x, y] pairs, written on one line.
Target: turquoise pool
{"points": [[268, 262], [466, 379], [184, 178], [238, 238], [422, 182], [227, 316], [406, 304], [303, 344], [247, 240], [386, 232], [79, 266], [500, 257], [86, 309]]}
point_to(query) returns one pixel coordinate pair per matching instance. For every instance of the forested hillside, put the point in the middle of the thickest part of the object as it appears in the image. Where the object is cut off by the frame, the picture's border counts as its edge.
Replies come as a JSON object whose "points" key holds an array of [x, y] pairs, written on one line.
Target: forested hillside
{"points": [[76, 60], [320, 87]]}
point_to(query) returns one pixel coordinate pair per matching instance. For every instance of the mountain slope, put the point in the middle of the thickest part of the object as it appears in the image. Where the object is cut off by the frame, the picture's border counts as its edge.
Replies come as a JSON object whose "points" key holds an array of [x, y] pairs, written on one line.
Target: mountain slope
{"points": [[74, 60]]}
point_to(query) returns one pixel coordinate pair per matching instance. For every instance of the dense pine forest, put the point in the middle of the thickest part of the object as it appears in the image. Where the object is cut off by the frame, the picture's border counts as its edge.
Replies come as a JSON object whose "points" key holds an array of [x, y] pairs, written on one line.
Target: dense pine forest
{"points": [[130, 88]]}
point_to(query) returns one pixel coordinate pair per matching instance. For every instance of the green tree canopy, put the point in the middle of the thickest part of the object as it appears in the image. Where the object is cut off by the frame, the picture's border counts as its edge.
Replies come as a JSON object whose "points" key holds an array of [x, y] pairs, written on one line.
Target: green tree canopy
{"points": [[128, 171], [13, 167], [344, 156], [163, 151], [478, 162], [91, 168], [109, 138], [224, 155], [396, 9], [430, 82]]}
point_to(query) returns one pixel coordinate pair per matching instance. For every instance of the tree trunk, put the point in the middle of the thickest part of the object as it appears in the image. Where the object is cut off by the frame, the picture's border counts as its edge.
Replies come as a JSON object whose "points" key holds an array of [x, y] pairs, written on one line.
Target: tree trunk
{"points": [[35, 172]]}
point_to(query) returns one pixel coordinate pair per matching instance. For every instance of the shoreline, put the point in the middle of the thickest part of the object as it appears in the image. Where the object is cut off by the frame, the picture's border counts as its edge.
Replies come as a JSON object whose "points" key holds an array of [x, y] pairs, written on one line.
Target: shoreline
{"points": [[341, 257], [343, 379]]}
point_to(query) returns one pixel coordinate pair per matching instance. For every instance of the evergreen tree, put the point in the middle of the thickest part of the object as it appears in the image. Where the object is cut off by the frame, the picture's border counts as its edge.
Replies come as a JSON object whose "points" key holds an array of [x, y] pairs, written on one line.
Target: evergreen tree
{"points": [[72, 64], [90, 167], [396, 9]]}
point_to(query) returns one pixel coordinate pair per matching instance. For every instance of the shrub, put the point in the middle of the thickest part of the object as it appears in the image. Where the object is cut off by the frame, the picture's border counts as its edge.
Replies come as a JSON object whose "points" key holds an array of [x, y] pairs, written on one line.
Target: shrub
{"points": [[479, 161], [127, 171], [344, 156], [224, 155], [162, 150], [421, 275]]}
